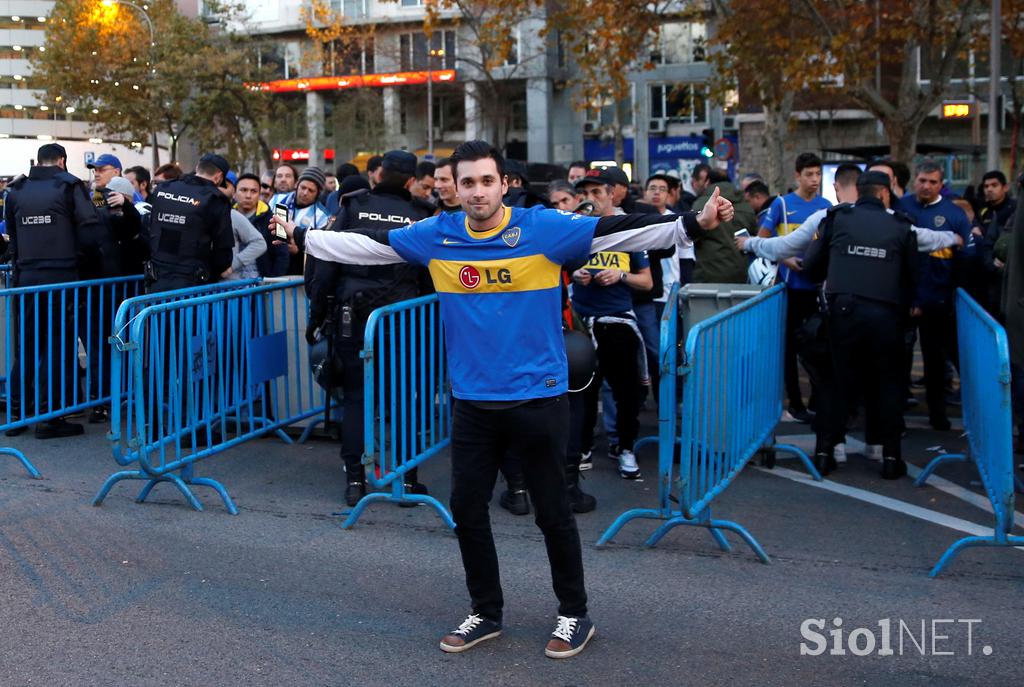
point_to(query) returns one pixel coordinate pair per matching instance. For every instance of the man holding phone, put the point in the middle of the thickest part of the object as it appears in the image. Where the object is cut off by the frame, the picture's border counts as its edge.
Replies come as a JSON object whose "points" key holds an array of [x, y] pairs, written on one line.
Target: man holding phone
{"points": [[717, 260]]}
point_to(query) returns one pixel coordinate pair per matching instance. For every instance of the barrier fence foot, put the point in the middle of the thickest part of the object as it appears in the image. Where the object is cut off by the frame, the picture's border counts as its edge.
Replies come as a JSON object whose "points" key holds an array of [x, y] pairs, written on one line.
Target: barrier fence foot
{"points": [[640, 443], [744, 534], [405, 498], [283, 436], [25, 462], [114, 479], [176, 481], [935, 463], [304, 437], [804, 458], [967, 542], [613, 529]]}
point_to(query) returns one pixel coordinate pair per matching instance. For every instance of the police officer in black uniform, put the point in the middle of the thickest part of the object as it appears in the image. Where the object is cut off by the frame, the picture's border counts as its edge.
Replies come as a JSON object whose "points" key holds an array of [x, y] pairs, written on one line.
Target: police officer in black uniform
{"points": [[345, 295], [867, 257], [190, 233], [52, 224]]}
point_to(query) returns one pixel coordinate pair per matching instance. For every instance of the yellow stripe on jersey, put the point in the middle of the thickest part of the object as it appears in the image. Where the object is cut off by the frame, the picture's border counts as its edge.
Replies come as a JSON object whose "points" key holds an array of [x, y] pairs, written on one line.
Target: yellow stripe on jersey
{"points": [[529, 273], [608, 260], [942, 254], [506, 217], [783, 228]]}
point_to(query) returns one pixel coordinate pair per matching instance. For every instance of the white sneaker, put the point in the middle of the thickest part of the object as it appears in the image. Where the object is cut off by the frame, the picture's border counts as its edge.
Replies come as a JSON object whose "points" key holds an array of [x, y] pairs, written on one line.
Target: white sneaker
{"points": [[839, 453], [628, 469], [874, 452], [586, 461]]}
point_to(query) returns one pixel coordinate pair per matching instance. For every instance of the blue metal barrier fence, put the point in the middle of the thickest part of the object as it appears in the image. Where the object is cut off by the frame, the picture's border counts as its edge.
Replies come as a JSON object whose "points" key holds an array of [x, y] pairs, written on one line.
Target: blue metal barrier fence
{"points": [[209, 373], [988, 422], [732, 402], [55, 351], [406, 400]]}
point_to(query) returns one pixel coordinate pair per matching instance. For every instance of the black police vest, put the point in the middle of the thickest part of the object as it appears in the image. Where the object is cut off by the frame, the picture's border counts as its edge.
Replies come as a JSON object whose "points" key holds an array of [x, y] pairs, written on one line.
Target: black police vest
{"points": [[179, 235], [866, 252], [369, 287], [45, 221]]}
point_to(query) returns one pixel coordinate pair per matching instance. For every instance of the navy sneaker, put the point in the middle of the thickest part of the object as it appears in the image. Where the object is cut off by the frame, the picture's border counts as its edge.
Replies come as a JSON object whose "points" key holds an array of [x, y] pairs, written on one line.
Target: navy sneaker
{"points": [[472, 631], [570, 636]]}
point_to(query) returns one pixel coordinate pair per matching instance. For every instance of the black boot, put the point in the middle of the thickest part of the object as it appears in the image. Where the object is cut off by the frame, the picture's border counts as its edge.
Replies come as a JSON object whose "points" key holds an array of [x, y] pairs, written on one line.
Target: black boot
{"points": [[893, 468], [824, 462], [581, 502], [58, 429], [515, 499], [356, 489], [414, 486]]}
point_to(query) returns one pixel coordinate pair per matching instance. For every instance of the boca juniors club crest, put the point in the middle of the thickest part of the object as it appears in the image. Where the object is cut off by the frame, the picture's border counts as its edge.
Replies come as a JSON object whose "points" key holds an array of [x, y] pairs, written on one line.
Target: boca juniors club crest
{"points": [[511, 236]]}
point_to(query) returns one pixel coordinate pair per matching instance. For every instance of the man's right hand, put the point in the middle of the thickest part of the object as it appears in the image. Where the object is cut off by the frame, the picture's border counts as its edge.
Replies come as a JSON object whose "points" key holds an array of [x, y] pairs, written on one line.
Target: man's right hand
{"points": [[741, 243], [289, 227], [582, 277]]}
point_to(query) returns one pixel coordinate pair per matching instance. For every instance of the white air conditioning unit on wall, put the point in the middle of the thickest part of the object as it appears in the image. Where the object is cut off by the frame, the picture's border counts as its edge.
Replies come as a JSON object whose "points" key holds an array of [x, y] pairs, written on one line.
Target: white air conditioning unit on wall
{"points": [[657, 126], [591, 127]]}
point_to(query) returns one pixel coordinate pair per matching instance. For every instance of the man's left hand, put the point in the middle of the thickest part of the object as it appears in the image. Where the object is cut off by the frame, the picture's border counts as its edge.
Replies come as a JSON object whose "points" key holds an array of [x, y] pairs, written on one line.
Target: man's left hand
{"points": [[716, 211]]}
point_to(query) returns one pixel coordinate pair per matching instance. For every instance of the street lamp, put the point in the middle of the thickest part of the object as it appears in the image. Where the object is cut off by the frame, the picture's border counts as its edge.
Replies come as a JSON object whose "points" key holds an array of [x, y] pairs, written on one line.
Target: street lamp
{"points": [[431, 54]]}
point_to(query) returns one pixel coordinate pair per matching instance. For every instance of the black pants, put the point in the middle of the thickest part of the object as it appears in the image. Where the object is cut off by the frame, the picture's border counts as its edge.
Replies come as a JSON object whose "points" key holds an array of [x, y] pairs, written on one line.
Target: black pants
{"points": [[50, 361], [537, 434], [866, 338], [353, 442], [937, 326], [617, 349], [101, 303], [800, 304]]}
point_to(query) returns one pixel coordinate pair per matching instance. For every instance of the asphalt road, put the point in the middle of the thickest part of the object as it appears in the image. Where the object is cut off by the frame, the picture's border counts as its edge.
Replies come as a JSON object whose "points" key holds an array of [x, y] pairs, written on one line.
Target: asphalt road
{"points": [[130, 594]]}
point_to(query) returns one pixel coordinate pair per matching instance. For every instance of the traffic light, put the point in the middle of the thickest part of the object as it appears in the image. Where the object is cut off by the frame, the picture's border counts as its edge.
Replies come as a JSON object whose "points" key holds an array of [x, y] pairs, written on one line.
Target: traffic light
{"points": [[707, 146]]}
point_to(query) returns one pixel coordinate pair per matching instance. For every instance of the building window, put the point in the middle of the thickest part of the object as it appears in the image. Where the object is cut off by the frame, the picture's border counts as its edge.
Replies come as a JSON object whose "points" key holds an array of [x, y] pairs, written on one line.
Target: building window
{"points": [[354, 9], [680, 43], [412, 48], [685, 103], [342, 58], [412, 3], [512, 58], [518, 115], [450, 112]]}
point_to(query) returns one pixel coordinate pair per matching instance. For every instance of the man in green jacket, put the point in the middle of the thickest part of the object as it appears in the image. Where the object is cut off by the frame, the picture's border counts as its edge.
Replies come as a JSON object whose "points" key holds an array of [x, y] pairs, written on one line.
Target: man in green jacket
{"points": [[718, 261]]}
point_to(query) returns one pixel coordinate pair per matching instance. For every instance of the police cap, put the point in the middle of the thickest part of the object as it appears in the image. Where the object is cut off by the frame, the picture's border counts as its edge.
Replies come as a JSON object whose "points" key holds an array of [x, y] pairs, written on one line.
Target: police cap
{"points": [[400, 161], [873, 179]]}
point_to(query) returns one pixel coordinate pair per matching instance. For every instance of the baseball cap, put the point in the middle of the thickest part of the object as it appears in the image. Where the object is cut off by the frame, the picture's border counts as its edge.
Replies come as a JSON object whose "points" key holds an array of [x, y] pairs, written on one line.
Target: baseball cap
{"points": [[616, 175], [121, 185], [104, 160], [231, 178], [874, 178], [217, 161], [401, 161], [595, 176]]}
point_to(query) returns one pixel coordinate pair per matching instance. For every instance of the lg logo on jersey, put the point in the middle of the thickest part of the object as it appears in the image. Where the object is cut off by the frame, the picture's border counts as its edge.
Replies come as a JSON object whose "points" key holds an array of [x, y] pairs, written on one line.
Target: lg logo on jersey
{"points": [[866, 252], [471, 278]]}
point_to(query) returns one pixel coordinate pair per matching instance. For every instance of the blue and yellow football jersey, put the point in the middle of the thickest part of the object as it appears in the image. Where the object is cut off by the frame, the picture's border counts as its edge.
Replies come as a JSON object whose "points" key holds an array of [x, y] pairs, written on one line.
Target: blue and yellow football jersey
{"points": [[496, 282]]}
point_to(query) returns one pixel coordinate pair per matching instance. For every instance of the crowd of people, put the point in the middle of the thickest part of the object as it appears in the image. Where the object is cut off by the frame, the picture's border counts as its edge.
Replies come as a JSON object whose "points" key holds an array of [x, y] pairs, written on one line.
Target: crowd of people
{"points": [[866, 280]]}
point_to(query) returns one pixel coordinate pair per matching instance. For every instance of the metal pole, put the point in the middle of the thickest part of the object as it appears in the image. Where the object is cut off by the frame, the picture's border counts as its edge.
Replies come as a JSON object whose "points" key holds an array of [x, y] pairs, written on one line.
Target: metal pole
{"points": [[995, 78], [430, 103]]}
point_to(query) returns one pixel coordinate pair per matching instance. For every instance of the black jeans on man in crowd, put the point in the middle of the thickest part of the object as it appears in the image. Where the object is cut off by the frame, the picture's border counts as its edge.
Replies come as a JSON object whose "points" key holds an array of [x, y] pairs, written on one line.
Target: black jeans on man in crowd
{"points": [[937, 326], [617, 350], [800, 305], [536, 433]]}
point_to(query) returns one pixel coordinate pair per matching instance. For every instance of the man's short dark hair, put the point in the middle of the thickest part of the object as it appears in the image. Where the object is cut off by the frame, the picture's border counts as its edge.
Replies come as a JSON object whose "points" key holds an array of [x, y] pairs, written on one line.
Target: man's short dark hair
{"points": [[929, 166], [757, 188], [805, 161], [346, 169], [425, 169], [208, 168], [50, 154], [373, 163], [471, 151], [847, 173], [295, 172], [169, 171], [248, 175], [442, 162], [717, 176], [701, 168], [578, 163], [141, 174], [902, 172], [994, 174], [870, 190], [394, 179]]}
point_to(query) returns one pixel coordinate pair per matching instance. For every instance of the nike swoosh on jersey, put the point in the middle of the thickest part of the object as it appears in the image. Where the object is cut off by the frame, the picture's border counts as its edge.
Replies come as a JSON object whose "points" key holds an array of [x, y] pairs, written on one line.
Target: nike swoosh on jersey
{"points": [[449, 242]]}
